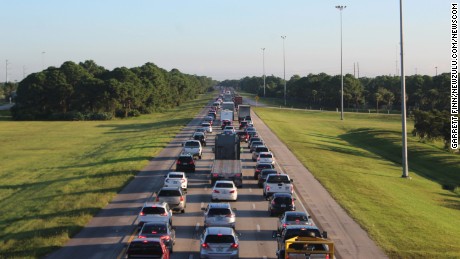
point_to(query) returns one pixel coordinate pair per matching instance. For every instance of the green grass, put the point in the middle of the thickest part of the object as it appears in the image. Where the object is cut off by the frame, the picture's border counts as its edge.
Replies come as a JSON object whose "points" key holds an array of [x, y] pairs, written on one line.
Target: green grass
{"points": [[358, 160], [57, 175]]}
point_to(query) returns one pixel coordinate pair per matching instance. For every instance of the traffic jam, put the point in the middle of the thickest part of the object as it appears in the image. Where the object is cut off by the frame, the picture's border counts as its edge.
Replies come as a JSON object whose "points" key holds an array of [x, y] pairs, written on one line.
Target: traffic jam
{"points": [[235, 136]]}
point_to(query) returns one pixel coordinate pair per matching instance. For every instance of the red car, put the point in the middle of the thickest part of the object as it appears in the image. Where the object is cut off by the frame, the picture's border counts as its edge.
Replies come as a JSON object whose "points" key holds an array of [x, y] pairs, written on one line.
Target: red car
{"points": [[226, 123], [147, 248], [243, 135]]}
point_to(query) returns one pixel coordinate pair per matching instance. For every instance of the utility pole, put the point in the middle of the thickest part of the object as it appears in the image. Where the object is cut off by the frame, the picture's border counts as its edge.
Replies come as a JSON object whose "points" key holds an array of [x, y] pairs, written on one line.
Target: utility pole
{"points": [[263, 66], [6, 72], [340, 8], [436, 70], [354, 69], [405, 167]]}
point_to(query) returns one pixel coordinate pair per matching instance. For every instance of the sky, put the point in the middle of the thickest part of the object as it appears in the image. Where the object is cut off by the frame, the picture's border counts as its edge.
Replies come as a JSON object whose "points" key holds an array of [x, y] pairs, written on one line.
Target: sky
{"points": [[223, 39]]}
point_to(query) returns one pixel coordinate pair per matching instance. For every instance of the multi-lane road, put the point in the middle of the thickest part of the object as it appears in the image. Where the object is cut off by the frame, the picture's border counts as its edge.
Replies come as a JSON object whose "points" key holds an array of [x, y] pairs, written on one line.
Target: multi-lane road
{"points": [[109, 232]]}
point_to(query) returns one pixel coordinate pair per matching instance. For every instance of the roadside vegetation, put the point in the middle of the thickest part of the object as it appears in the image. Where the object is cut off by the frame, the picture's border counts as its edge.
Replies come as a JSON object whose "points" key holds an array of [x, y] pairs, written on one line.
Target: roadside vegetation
{"points": [[57, 175], [358, 160]]}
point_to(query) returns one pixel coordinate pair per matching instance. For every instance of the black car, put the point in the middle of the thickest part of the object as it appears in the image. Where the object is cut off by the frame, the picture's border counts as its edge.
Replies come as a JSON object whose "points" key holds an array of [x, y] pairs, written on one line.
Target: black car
{"points": [[185, 163], [263, 176], [280, 203], [200, 136], [160, 230], [243, 124], [259, 167]]}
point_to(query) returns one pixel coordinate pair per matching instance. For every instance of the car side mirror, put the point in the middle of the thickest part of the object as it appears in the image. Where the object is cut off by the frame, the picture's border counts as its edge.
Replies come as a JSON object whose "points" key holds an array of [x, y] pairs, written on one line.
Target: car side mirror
{"points": [[324, 234], [309, 216], [275, 234], [292, 180]]}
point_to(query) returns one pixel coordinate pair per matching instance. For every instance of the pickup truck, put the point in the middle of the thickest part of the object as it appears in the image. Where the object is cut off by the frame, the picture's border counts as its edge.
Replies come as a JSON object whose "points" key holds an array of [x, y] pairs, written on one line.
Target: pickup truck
{"points": [[193, 147], [277, 183]]}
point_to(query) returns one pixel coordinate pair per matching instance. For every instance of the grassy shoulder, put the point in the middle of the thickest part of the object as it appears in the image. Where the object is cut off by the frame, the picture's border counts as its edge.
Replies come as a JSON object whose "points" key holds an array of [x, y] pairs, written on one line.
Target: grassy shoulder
{"points": [[57, 175], [359, 161]]}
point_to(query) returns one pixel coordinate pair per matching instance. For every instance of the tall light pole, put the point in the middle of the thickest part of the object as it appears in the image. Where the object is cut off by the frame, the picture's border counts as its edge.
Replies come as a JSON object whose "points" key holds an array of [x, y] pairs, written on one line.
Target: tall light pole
{"points": [[284, 62], [436, 70], [341, 7], [263, 66], [405, 173], [43, 60]]}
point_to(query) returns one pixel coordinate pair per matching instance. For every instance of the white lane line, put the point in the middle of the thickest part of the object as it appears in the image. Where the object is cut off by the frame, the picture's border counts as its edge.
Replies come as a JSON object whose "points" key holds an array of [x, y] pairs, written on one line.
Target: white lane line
{"points": [[258, 228], [253, 206], [206, 188], [202, 205], [264, 257], [190, 257], [250, 189], [197, 226], [303, 207]]}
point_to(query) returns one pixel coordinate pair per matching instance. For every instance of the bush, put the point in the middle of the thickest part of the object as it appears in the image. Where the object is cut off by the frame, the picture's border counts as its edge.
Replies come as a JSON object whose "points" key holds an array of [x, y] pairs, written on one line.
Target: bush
{"points": [[100, 116], [134, 113]]}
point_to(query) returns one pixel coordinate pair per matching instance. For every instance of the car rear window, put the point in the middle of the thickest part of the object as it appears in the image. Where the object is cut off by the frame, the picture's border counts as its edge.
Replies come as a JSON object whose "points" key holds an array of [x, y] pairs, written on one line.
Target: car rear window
{"points": [[175, 176], [303, 232], [192, 144], [224, 185], [219, 211], [278, 179], [219, 239], [283, 200], [154, 229], [296, 218], [150, 247], [257, 143], [185, 159], [169, 193], [267, 172], [261, 149], [266, 155], [264, 166], [153, 210]]}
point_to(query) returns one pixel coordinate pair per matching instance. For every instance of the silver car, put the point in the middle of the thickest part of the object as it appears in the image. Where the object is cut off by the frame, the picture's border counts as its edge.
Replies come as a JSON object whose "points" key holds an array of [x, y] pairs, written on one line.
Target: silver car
{"points": [[219, 214], [219, 242], [174, 197], [294, 218], [154, 211]]}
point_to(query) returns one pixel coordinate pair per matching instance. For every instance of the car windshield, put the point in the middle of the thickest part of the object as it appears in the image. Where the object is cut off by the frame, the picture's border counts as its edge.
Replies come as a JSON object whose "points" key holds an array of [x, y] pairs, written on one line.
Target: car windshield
{"points": [[296, 218], [175, 176], [219, 239], [224, 185], [219, 211], [154, 229], [153, 210], [169, 193], [153, 248], [278, 179]]}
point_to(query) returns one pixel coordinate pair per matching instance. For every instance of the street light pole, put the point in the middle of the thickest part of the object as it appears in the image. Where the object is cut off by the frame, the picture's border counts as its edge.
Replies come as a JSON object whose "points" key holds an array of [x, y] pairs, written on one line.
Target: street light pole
{"points": [[436, 71], [284, 62], [341, 7], [263, 65], [43, 60], [405, 173]]}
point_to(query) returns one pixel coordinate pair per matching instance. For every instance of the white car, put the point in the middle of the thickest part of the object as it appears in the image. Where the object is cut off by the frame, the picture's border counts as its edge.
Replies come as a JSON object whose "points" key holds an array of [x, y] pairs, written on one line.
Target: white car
{"points": [[224, 190], [266, 158], [207, 126], [230, 128], [176, 179], [278, 183]]}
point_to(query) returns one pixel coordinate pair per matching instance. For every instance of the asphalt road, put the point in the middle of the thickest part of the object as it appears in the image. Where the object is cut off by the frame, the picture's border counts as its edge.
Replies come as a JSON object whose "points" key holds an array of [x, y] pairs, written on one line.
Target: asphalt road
{"points": [[109, 232]]}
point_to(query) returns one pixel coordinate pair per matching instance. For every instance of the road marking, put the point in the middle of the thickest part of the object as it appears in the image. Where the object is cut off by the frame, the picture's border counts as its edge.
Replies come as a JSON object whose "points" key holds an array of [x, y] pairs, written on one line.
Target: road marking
{"points": [[258, 228], [250, 189], [202, 205], [197, 226], [264, 257], [253, 206]]}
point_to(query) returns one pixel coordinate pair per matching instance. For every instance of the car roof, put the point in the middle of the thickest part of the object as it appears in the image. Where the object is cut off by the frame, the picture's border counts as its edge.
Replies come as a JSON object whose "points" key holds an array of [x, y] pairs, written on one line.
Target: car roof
{"points": [[301, 226], [154, 223], [182, 173], [281, 194], [169, 188], [219, 230], [186, 155], [295, 213], [219, 205], [265, 153]]}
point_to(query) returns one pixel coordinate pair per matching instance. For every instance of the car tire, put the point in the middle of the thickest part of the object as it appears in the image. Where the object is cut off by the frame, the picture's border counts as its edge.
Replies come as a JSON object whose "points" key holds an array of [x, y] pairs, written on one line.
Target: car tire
{"points": [[182, 211]]}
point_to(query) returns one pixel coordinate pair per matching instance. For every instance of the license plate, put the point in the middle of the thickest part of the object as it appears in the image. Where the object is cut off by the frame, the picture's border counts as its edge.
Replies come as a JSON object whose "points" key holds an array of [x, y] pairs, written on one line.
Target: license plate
{"points": [[220, 249], [283, 205], [176, 182], [286, 188]]}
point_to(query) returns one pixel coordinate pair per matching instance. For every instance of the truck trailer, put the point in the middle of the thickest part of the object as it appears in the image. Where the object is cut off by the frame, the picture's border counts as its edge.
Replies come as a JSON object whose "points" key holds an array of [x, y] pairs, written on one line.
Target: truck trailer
{"points": [[227, 163], [243, 111]]}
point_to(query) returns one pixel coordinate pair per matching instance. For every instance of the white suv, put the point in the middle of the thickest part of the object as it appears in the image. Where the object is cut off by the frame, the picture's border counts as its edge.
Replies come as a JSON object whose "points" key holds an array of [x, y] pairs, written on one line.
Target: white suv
{"points": [[266, 158], [176, 179], [277, 183], [192, 147]]}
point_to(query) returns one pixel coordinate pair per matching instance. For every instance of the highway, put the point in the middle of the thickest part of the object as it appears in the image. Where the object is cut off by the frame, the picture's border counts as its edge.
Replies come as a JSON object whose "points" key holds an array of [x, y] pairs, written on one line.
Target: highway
{"points": [[109, 232]]}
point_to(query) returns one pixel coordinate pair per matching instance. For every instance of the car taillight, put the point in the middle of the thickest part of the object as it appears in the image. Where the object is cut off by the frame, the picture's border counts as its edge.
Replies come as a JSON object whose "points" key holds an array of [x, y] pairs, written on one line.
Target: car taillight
{"points": [[181, 198], [293, 203], [141, 237], [177, 162], [327, 256], [258, 158], [230, 215], [232, 191], [258, 170], [238, 175], [164, 214], [165, 237], [292, 189], [284, 225], [215, 191], [205, 245], [268, 188], [192, 162], [142, 213], [157, 199], [273, 202], [234, 245]]}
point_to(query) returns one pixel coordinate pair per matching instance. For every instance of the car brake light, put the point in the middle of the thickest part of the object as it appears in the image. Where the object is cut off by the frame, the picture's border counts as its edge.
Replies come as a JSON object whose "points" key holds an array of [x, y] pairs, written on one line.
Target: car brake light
{"points": [[215, 175], [234, 245], [327, 256], [142, 213], [177, 162], [232, 191], [141, 237], [205, 245], [268, 188], [181, 198], [216, 191], [164, 214], [273, 202], [145, 241], [165, 237], [293, 204], [284, 225], [192, 162], [238, 175], [258, 158]]}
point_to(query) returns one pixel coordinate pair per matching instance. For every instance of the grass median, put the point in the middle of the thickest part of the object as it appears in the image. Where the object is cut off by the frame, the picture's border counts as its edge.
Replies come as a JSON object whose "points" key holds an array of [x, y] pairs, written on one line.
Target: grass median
{"points": [[358, 160], [57, 175]]}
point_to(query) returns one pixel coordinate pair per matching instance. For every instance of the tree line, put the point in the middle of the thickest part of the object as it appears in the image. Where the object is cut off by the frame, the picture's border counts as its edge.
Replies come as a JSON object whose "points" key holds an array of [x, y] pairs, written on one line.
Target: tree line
{"points": [[427, 97], [88, 91]]}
